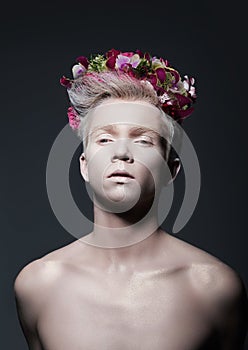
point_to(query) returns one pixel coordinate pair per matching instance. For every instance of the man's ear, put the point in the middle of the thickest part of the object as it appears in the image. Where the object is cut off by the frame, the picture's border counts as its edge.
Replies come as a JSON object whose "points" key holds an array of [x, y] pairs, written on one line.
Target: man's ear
{"points": [[174, 166], [84, 167]]}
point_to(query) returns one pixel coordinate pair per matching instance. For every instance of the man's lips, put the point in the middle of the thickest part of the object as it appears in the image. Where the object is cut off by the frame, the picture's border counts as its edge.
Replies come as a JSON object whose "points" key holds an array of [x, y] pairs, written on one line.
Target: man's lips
{"points": [[121, 173]]}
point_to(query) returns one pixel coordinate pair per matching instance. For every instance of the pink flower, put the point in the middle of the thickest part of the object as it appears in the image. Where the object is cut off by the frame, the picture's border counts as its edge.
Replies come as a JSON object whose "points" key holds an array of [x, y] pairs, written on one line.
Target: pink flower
{"points": [[73, 117], [127, 54]]}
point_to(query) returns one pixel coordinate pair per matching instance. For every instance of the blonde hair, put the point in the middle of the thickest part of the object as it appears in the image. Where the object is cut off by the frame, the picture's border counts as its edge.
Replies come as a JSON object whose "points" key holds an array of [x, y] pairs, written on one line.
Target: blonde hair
{"points": [[90, 90]]}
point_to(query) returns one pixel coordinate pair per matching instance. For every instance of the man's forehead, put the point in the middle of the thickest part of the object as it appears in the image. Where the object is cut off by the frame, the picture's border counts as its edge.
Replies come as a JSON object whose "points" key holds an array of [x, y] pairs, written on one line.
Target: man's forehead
{"points": [[119, 106], [138, 114]]}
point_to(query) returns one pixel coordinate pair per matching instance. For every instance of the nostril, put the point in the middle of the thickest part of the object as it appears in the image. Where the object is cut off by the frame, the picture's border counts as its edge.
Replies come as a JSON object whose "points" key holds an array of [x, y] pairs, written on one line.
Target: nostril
{"points": [[124, 158]]}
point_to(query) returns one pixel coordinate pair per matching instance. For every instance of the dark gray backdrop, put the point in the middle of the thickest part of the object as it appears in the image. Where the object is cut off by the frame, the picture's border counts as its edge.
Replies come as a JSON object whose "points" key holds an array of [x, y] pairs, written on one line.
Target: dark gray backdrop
{"points": [[39, 43]]}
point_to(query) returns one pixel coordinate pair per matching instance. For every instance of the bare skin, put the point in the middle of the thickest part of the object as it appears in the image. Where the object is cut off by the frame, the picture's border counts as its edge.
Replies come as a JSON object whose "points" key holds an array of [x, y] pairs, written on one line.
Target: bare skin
{"points": [[160, 293], [177, 297]]}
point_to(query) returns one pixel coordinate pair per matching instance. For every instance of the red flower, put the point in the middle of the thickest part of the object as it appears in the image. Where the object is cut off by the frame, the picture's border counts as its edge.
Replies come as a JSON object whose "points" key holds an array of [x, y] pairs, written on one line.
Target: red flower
{"points": [[83, 60], [140, 53], [176, 75], [161, 74], [110, 63], [184, 113], [153, 79], [131, 73], [183, 100], [65, 82], [112, 52], [147, 56]]}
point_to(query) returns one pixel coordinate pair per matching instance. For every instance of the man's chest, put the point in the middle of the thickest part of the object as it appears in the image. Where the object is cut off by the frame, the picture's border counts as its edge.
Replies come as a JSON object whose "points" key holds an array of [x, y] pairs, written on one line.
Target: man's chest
{"points": [[146, 311]]}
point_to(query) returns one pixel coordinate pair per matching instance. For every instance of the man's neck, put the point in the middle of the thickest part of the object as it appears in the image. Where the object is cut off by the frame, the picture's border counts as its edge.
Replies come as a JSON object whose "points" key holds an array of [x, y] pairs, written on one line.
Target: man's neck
{"points": [[122, 240]]}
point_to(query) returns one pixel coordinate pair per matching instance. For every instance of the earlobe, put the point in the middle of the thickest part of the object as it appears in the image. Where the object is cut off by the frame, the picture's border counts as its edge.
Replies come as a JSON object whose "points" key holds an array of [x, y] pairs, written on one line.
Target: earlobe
{"points": [[84, 167]]}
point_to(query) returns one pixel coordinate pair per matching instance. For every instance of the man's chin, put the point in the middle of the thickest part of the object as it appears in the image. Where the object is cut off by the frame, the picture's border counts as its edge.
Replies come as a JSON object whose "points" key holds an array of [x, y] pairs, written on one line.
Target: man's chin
{"points": [[116, 202]]}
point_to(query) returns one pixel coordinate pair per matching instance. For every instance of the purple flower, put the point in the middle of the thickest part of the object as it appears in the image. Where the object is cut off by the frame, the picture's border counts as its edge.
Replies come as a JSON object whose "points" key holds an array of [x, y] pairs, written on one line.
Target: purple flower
{"points": [[122, 61], [127, 59]]}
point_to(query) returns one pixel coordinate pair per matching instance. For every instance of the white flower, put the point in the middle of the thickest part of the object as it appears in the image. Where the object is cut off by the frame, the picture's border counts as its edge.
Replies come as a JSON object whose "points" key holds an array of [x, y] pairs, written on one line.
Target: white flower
{"points": [[164, 97], [135, 60], [188, 85], [156, 63], [77, 70]]}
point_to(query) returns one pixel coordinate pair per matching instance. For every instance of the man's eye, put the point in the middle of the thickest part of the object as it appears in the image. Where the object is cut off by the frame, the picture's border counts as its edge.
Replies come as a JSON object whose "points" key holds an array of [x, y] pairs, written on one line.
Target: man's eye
{"points": [[104, 140], [144, 141]]}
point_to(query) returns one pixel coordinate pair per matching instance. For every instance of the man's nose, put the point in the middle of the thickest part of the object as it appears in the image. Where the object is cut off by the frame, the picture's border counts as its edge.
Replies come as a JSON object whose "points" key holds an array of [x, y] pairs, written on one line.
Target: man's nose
{"points": [[122, 152]]}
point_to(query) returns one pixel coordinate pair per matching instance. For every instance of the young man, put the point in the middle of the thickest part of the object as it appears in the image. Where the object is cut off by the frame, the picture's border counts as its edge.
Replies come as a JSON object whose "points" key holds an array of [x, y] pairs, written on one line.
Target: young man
{"points": [[129, 284]]}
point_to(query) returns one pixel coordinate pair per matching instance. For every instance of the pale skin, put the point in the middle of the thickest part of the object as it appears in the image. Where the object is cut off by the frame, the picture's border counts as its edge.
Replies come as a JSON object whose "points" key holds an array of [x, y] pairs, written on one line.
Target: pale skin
{"points": [[159, 293]]}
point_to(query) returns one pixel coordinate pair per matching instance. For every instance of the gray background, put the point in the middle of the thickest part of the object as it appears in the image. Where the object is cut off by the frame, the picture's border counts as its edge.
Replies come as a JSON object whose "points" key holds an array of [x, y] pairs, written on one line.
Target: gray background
{"points": [[40, 41]]}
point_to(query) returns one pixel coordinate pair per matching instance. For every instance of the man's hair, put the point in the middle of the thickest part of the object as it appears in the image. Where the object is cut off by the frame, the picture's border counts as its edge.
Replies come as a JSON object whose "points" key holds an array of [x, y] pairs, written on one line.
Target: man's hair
{"points": [[92, 89]]}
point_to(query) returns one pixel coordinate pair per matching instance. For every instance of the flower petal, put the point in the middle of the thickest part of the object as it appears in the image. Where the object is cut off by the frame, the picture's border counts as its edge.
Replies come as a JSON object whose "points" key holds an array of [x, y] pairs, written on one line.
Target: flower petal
{"points": [[127, 54], [73, 117], [110, 63], [152, 78], [135, 60], [121, 61], [183, 100], [140, 53], [161, 74], [66, 82], [78, 70], [176, 75], [112, 52], [183, 113], [147, 56], [83, 60]]}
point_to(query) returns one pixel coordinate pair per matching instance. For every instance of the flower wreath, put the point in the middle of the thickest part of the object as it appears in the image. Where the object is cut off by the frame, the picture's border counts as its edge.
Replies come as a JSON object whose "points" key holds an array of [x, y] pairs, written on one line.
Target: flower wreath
{"points": [[175, 95]]}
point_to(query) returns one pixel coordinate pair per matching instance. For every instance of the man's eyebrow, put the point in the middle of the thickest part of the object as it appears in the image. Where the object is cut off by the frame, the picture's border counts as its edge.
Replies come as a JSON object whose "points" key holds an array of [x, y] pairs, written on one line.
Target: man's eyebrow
{"points": [[135, 131], [108, 128]]}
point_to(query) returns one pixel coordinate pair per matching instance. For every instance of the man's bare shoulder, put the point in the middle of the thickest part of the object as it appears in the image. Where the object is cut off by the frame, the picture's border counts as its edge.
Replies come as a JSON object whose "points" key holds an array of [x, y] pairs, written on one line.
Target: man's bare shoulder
{"points": [[215, 281], [32, 278]]}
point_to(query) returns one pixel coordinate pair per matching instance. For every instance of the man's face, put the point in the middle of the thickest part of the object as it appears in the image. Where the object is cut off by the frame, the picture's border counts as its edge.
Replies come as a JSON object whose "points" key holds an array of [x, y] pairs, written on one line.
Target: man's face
{"points": [[123, 161]]}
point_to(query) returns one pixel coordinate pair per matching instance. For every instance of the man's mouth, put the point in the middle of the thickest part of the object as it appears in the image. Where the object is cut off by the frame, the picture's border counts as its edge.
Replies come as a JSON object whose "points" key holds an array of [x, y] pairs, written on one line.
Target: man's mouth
{"points": [[120, 177], [121, 174]]}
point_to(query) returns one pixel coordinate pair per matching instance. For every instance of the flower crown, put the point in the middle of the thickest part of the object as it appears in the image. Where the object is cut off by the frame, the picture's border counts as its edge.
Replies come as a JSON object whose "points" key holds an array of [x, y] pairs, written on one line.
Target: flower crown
{"points": [[175, 95]]}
